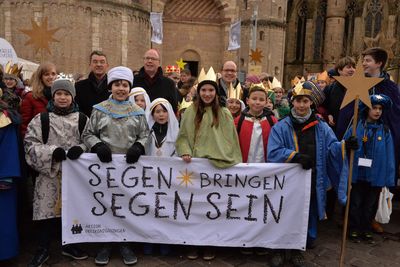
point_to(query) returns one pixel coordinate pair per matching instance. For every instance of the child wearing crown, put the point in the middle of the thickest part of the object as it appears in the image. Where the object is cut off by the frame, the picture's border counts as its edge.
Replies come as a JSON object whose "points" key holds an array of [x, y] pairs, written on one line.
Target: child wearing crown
{"points": [[46, 148], [373, 169], [304, 138], [207, 131], [11, 93], [254, 125]]}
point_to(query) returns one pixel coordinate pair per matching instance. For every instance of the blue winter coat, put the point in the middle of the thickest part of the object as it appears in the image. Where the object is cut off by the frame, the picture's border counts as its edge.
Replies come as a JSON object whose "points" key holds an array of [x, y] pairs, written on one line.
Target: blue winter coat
{"points": [[331, 162], [380, 149]]}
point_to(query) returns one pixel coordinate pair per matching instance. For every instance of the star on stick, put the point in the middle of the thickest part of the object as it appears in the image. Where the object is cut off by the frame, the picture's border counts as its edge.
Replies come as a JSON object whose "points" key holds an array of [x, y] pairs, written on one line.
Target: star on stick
{"points": [[180, 64], [256, 55], [357, 86], [40, 36]]}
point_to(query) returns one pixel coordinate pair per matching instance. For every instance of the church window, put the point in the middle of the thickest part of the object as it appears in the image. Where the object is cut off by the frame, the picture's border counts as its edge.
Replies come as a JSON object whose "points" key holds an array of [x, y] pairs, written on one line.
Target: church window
{"points": [[373, 18], [319, 29], [262, 36], [301, 30], [349, 27]]}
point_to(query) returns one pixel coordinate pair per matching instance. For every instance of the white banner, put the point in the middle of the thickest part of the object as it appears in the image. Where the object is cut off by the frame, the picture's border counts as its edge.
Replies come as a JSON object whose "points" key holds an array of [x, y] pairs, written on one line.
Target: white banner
{"points": [[7, 53], [157, 26], [234, 36], [165, 200]]}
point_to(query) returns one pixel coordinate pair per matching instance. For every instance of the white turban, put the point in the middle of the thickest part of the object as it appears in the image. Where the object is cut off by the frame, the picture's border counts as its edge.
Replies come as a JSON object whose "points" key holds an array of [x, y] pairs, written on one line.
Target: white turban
{"points": [[120, 73]]}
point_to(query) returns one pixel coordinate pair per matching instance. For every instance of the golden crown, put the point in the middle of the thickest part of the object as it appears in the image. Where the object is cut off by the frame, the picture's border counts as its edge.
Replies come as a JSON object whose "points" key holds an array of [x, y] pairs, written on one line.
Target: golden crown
{"points": [[323, 76], [184, 104], [235, 93], [257, 85], [12, 69], [275, 84], [296, 80], [299, 90], [210, 76]]}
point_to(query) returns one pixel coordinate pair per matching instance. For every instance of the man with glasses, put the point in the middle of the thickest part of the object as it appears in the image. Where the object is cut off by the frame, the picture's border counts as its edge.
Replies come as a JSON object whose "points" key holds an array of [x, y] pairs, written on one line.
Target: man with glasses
{"points": [[151, 78], [229, 76], [93, 90]]}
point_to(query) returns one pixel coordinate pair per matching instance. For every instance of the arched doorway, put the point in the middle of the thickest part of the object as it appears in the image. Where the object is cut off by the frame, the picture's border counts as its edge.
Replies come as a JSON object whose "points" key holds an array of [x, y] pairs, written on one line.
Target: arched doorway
{"points": [[194, 30], [192, 59]]}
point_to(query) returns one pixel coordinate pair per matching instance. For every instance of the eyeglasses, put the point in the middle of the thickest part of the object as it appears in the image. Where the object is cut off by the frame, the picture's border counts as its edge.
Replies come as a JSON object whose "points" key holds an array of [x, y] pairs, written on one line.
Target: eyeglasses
{"points": [[151, 59], [229, 70]]}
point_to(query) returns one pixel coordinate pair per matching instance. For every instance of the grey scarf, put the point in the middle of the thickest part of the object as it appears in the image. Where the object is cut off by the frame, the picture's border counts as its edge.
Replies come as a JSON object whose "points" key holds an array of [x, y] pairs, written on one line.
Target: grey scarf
{"points": [[300, 119]]}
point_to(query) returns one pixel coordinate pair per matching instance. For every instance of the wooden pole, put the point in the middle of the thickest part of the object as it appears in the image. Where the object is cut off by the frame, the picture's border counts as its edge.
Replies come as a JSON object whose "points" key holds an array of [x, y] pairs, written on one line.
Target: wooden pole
{"points": [[346, 215]]}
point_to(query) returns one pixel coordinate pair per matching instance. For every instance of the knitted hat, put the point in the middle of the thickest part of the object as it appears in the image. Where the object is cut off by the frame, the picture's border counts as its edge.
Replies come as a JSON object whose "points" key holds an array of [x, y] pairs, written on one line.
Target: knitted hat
{"points": [[310, 90], [252, 79], [120, 73], [63, 84]]}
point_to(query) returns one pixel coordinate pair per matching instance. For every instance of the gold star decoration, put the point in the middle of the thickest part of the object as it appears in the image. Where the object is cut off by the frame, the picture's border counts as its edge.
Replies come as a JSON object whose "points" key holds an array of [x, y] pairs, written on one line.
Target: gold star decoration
{"points": [[381, 41], [357, 86], [40, 36], [180, 64], [256, 55], [365, 139], [186, 177]]}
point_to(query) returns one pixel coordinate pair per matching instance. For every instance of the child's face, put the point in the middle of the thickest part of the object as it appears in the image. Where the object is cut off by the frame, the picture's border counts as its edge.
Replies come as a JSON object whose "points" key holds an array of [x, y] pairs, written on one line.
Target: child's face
{"points": [[322, 84], [347, 71], [278, 94], [257, 101], [375, 113], [140, 101], [370, 65], [207, 94], [269, 104], [120, 90], [49, 76], [160, 114], [10, 82], [233, 105], [62, 99], [302, 105]]}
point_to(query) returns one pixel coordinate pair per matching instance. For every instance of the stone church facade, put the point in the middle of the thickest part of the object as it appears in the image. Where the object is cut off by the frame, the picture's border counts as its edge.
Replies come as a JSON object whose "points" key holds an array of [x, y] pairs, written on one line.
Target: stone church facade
{"points": [[295, 36]]}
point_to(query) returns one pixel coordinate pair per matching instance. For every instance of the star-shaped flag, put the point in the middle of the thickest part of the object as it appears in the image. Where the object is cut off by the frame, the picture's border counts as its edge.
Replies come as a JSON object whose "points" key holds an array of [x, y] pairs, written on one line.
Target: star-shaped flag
{"points": [[40, 36], [256, 55], [180, 64], [357, 86]]}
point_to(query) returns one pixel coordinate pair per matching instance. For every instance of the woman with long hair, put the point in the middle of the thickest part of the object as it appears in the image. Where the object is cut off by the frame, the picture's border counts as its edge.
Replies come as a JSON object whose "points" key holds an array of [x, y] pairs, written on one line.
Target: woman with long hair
{"points": [[36, 100]]}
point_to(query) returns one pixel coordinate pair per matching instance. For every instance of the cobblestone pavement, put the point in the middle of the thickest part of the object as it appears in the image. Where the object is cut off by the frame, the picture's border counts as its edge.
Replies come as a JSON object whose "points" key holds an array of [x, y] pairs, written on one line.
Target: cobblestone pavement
{"points": [[385, 252]]}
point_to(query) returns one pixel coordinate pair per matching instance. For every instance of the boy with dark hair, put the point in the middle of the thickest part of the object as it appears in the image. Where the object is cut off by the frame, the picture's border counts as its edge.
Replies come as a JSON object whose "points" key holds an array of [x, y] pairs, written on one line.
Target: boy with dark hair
{"points": [[302, 137], [376, 55]]}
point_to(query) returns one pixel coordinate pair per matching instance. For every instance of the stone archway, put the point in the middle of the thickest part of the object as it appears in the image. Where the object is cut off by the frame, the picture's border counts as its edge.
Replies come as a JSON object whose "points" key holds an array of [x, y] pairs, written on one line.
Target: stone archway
{"points": [[197, 26]]}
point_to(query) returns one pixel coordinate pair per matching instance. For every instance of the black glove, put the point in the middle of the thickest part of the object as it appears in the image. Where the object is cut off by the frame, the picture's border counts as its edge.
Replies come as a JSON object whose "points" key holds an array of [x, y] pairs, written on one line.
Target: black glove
{"points": [[134, 152], [305, 160], [351, 143], [102, 151], [59, 154], [74, 152]]}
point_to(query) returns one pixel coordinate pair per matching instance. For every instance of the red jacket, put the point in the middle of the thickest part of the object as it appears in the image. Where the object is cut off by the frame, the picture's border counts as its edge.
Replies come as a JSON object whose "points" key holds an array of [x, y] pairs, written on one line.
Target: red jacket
{"points": [[30, 107], [247, 130]]}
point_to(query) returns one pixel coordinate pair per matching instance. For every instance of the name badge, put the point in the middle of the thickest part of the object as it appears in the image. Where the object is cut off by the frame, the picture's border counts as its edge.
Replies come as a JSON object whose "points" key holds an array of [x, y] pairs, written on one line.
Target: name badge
{"points": [[364, 162]]}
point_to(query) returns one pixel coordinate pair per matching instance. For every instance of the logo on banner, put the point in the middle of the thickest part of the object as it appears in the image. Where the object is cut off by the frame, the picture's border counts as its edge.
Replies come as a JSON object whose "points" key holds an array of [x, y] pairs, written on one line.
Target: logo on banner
{"points": [[76, 228]]}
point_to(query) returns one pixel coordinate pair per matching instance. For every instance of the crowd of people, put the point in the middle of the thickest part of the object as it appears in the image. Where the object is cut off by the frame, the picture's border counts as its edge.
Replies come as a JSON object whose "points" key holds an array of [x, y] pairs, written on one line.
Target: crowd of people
{"points": [[212, 116]]}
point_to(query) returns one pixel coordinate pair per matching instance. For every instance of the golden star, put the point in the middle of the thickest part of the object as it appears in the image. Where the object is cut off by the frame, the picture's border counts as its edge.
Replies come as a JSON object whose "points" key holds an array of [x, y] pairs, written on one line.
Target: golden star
{"points": [[181, 64], [256, 55], [40, 36], [186, 177], [372, 42], [357, 86]]}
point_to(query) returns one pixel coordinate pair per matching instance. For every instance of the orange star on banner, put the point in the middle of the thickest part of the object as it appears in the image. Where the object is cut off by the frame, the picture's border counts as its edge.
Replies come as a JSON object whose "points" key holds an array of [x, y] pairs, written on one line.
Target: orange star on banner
{"points": [[40, 36], [256, 55], [180, 64], [357, 86]]}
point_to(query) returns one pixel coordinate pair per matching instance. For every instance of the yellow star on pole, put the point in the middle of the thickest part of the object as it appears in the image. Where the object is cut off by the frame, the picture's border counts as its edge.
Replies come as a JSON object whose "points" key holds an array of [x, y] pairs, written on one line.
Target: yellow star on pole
{"points": [[357, 86], [186, 177], [40, 36], [256, 55], [181, 64]]}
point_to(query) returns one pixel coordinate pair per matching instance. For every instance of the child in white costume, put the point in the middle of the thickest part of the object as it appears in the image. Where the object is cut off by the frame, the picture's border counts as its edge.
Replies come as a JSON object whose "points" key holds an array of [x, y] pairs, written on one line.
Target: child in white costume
{"points": [[140, 97], [164, 128]]}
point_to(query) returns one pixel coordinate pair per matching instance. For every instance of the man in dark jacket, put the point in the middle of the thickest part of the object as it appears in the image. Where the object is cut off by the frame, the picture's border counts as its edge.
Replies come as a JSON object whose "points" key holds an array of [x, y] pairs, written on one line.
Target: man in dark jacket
{"points": [[151, 78], [228, 77], [93, 90]]}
